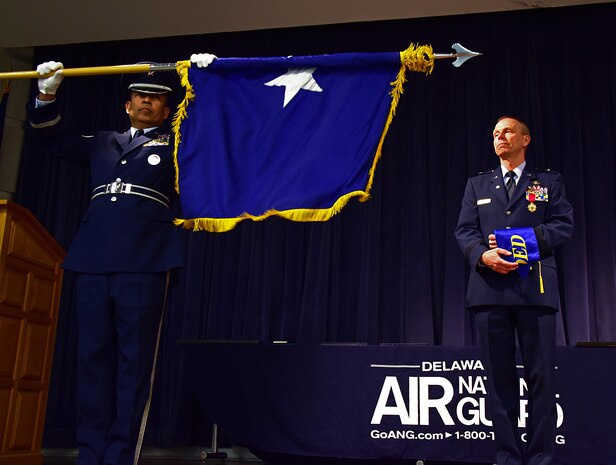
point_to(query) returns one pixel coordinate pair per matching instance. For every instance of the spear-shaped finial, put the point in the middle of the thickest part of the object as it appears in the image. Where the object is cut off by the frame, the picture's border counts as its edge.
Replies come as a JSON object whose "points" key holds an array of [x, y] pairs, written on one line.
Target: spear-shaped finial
{"points": [[462, 54]]}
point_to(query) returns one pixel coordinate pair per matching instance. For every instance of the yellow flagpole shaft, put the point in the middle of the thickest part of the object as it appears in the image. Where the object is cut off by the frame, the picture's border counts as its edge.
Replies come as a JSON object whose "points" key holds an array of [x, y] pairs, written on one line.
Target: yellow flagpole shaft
{"points": [[93, 71]]}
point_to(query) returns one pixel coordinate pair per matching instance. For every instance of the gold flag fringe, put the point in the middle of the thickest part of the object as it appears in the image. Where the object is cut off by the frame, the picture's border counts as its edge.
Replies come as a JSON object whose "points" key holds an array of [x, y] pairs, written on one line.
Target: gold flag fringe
{"points": [[418, 58], [298, 214], [181, 113]]}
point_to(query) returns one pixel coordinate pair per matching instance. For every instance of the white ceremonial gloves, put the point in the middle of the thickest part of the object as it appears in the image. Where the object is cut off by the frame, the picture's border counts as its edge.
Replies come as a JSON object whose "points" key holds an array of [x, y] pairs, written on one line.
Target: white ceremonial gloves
{"points": [[202, 60], [50, 85]]}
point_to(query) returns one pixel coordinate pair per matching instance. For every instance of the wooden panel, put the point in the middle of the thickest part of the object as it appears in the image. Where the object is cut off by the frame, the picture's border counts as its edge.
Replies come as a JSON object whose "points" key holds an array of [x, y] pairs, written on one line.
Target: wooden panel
{"points": [[24, 431], [30, 458], [42, 295], [22, 246], [13, 287], [5, 403], [30, 283], [34, 352], [10, 333]]}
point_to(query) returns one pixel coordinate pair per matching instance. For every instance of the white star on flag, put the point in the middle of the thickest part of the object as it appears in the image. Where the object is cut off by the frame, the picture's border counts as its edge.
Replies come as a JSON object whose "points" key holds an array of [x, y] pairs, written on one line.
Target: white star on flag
{"points": [[293, 81]]}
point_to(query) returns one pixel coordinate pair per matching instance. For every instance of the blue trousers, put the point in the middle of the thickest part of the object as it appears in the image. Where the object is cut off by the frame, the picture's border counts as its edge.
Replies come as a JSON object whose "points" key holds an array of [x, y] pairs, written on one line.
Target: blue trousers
{"points": [[536, 334], [118, 324]]}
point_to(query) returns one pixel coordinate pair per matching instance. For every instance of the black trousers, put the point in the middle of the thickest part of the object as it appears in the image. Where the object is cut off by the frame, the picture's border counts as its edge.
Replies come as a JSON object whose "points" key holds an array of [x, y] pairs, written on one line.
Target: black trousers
{"points": [[119, 315], [535, 328]]}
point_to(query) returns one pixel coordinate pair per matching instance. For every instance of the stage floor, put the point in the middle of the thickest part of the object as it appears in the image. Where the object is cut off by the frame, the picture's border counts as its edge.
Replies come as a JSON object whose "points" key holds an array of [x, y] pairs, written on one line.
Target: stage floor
{"points": [[187, 456], [175, 461], [69, 457]]}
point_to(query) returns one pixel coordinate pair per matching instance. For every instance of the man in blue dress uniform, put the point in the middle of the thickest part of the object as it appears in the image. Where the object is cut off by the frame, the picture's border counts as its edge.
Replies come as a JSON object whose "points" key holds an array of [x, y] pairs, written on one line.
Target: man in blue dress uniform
{"points": [[506, 303], [123, 253]]}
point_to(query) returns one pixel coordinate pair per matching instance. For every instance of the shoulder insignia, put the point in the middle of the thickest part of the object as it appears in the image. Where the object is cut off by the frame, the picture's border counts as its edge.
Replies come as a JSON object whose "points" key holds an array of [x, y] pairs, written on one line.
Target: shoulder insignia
{"points": [[547, 170], [482, 172]]}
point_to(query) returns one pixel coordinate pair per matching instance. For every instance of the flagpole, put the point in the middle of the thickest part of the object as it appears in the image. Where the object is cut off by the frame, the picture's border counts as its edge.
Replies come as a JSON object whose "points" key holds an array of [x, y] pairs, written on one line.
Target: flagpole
{"points": [[94, 71], [462, 54]]}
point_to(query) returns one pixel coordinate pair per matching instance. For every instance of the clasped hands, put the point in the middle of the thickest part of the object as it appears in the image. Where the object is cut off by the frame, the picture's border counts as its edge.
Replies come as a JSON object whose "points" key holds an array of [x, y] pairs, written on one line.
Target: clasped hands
{"points": [[493, 260]]}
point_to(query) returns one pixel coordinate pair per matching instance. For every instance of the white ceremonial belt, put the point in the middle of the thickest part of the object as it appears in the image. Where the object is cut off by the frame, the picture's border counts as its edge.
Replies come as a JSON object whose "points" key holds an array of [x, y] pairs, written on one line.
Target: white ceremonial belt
{"points": [[119, 187]]}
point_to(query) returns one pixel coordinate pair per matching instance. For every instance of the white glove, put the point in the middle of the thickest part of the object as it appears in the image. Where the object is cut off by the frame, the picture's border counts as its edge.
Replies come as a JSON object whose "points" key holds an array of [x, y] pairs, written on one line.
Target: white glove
{"points": [[50, 85], [202, 60]]}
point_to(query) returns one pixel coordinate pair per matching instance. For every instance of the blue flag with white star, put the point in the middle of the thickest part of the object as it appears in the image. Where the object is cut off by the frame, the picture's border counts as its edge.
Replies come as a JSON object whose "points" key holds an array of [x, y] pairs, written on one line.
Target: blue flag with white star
{"points": [[295, 137]]}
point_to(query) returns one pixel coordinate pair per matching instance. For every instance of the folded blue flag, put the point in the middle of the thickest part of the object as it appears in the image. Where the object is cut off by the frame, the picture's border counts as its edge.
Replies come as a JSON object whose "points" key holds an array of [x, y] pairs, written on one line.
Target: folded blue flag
{"points": [[523, 245], [296, 137]]}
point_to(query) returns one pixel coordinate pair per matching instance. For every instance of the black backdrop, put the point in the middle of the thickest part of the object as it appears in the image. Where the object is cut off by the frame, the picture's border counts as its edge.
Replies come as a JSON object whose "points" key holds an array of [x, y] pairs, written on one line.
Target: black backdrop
{"points": [[387, 270]]}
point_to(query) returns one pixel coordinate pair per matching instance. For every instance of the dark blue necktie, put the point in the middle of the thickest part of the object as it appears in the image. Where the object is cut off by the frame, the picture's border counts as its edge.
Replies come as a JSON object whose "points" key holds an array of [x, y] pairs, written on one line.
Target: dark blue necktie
{"points": [[510, 183]]}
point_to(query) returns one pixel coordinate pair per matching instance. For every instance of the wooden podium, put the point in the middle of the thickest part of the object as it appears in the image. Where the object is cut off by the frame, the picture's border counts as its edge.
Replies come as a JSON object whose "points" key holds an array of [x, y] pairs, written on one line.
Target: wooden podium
{"points": [[30, 284]]}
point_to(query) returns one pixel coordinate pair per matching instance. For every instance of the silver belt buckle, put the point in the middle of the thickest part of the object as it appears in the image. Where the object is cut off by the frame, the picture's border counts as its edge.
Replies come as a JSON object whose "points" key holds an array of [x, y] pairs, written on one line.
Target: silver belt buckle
{"points": [[118, 187], [115, 187]]}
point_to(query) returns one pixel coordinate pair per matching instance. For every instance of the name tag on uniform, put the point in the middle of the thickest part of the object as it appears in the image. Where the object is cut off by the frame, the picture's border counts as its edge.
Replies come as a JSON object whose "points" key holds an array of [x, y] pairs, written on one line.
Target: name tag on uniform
{"points": [[483, 201]]}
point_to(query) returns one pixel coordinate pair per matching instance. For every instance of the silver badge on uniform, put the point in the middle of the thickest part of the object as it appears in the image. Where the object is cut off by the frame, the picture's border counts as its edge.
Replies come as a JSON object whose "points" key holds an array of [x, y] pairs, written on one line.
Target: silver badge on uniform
{"points": [[153, 159]]}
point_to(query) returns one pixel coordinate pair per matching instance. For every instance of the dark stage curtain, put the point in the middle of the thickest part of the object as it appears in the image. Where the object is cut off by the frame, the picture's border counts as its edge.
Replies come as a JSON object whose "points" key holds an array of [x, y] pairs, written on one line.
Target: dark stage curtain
{"points": [[385, 271]]}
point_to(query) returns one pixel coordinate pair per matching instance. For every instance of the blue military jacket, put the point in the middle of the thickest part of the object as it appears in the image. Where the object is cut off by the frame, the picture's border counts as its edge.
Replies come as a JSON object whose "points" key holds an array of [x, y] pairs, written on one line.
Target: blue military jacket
{"points": [[485, 208], [120, 232]]}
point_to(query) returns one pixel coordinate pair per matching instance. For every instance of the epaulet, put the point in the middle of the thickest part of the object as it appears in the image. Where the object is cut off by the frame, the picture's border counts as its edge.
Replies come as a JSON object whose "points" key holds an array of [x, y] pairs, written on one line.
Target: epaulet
{"points": [[481, 172], [547, 171]]}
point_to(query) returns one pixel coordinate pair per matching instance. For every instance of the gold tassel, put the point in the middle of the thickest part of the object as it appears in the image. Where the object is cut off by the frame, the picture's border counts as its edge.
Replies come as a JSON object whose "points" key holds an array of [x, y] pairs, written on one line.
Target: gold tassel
{"points": [[181, 113], [541, 290], [415, 58]]}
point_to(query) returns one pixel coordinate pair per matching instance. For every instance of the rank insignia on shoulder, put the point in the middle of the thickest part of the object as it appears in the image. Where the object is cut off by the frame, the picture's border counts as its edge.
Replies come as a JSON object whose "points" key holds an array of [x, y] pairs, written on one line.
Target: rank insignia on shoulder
{"points": [[162, 139], [481, 173]]}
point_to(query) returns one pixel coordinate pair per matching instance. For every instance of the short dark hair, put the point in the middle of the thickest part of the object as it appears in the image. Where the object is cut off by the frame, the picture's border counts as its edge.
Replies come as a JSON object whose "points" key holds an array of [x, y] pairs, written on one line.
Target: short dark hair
{"points": [[525, 129]]}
